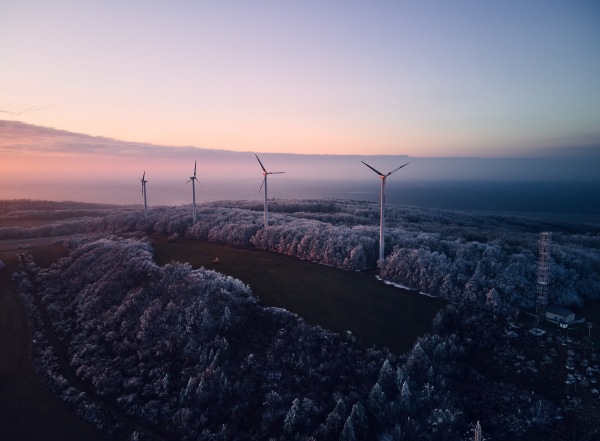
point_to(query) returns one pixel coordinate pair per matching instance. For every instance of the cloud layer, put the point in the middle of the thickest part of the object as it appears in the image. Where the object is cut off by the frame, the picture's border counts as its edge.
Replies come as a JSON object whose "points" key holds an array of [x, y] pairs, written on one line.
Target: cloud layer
{"points": [[41, 162]]}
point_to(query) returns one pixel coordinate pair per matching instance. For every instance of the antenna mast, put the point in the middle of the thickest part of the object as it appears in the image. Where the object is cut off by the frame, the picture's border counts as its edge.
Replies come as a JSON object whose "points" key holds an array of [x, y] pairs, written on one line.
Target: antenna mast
{"points": [[543, 275]]}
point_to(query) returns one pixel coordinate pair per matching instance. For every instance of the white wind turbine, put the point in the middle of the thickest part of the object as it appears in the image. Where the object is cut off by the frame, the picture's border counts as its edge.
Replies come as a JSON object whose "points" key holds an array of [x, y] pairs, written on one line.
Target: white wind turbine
{"points": [[265, 174], [382, 206], [193, 181], [143, 179]]}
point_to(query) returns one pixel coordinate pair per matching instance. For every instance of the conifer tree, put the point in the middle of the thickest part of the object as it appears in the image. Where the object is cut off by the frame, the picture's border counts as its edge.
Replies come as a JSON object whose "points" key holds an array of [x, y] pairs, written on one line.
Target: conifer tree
{"points": [[477, 436]]}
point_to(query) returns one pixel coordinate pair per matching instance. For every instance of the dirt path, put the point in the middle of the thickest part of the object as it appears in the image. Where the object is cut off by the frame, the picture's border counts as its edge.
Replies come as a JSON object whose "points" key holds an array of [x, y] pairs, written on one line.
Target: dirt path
{"points": [[22, 244], [28, 411], [23, 396], [107, 404]]}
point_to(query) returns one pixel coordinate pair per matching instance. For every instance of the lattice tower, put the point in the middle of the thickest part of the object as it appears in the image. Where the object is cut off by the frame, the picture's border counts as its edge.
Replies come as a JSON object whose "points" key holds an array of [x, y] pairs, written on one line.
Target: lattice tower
{"points": [[543, 273]]}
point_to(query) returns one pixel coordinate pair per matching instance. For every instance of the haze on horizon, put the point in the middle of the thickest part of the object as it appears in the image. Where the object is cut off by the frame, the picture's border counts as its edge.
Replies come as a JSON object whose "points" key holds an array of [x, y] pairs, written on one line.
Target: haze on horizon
{"points": [[43, 163], [423, 79]]}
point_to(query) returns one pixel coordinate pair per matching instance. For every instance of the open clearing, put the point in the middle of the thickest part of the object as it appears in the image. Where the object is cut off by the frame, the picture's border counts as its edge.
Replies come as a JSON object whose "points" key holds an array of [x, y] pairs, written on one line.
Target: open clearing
{"points": [[376, 313]]}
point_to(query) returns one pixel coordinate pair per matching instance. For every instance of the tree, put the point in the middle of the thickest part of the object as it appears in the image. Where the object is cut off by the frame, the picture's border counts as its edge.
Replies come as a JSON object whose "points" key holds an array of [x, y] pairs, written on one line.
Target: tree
{"points": [[292, 418], [355, 428], [405, 398], [377, 403], [477, 435]]}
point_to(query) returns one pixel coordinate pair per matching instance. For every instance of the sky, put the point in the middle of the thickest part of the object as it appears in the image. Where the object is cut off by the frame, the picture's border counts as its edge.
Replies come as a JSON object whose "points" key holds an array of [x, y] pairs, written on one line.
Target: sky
{"points": [[420, 78], [50, 164]]}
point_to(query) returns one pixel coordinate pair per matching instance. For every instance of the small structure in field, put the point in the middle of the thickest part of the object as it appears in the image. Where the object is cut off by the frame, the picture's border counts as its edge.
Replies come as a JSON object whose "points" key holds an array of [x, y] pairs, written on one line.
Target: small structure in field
{"points": [[216, 260], [173, 238], [561, 316]]}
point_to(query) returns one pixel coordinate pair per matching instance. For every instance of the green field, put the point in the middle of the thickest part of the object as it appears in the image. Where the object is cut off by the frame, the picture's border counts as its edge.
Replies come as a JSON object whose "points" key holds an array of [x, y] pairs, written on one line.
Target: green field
{"points": [[376, 313]]}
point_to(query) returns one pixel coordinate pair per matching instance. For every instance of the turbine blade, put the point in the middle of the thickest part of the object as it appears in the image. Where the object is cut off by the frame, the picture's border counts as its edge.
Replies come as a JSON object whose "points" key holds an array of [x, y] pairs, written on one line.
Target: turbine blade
{"points": [[261, 164], [194, 168], [144, 175], [263, 183], [396, 169], [376, 171], [275, 173], [189, 181]]}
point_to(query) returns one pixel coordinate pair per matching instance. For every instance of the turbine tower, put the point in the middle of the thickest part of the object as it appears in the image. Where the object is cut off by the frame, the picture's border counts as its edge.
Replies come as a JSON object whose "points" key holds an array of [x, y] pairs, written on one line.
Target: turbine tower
{"points": [[193, 181], [264, 183], [143, 179], [382, 206]]}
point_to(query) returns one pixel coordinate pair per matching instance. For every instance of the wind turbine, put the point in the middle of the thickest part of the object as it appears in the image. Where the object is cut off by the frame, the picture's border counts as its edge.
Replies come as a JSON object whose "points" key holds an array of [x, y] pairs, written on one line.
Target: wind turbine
{"points": [[265, 174], [144, 192], [382, 206], [193, 181]]}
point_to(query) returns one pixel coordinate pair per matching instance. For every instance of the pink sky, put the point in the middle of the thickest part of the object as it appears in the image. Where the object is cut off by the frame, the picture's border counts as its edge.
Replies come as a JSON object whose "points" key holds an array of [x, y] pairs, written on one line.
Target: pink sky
{"points": [[431, 78], [43, 163]]}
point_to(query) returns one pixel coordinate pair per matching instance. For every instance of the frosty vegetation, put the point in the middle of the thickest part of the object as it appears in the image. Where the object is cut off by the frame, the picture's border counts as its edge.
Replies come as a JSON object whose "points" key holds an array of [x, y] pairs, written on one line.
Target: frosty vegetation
{"points": [[190, 354], [485, 261]]}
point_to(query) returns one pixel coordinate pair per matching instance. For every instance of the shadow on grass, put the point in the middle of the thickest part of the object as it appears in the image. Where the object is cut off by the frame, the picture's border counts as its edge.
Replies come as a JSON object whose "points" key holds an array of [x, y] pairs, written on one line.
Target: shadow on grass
{"points": [[376, 313], [27, 410]]}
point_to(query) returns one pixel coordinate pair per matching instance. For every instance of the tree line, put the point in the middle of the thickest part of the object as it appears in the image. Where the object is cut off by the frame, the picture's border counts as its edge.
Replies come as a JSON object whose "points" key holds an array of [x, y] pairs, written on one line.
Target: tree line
{"points": [[489, 261], [193, 353]]}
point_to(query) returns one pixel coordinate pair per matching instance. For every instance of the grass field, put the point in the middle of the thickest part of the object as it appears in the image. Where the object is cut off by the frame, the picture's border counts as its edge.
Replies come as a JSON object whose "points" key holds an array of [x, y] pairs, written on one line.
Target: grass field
{"points": [[334, 299], [28, 411]]}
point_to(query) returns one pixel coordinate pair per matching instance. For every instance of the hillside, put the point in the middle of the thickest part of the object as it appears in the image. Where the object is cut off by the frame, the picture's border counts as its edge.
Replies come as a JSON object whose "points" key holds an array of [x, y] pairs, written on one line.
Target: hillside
{"points": [[190, 353]]}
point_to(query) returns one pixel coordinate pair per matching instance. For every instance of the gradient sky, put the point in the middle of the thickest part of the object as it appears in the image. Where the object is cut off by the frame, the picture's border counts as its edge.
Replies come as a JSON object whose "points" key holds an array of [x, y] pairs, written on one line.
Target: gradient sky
{"points": [[422, 78]]}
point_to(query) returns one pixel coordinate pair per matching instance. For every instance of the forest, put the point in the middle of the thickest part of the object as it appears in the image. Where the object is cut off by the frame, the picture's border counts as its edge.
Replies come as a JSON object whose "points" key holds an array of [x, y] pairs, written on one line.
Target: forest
{"points": [[489, 261], [191, 354]]}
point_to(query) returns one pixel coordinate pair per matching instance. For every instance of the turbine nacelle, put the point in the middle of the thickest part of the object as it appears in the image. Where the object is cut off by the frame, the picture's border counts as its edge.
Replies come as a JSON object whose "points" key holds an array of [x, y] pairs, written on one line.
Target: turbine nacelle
{"points": [[193, 180], [381, 175], [382, 206], [265, 173], [143, 181]]}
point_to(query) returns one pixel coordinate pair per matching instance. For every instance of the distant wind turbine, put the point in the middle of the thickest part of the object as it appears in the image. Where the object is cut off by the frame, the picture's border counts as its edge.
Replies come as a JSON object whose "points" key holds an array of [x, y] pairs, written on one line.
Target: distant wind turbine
{"points": [[264, 183], [382, 206], [193, 181], [144, 192]]}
